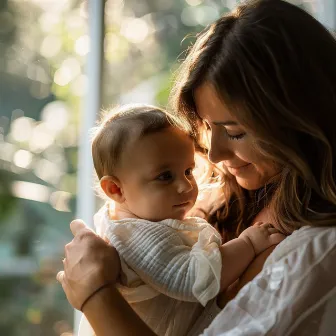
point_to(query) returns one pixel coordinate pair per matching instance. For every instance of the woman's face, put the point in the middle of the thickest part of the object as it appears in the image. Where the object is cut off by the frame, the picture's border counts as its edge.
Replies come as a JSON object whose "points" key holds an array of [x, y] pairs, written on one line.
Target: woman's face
{"points": [[230, 144]]}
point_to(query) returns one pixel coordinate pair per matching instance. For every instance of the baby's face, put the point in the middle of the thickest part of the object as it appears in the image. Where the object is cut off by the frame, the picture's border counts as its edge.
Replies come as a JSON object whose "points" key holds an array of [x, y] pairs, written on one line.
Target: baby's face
{"points": [[156, 175]]}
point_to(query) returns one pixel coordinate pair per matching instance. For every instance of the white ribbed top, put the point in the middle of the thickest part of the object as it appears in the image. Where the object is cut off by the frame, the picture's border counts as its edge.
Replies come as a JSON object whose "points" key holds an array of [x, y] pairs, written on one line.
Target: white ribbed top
{"points": [[170, 269]]}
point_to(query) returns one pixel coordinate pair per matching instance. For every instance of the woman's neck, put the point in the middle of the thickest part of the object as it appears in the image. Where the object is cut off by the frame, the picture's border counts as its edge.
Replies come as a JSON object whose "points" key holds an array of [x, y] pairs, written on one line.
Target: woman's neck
{"points": [[264, 216]]}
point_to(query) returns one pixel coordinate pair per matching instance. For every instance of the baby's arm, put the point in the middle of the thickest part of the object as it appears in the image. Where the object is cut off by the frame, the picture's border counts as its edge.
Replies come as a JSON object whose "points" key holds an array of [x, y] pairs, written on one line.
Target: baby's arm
{"points": [[162, 259], [238, 253]]}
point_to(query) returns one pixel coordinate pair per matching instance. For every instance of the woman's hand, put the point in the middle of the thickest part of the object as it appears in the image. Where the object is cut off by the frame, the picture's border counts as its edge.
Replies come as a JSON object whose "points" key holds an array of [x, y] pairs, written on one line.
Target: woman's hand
{"points": [[90, 262]]}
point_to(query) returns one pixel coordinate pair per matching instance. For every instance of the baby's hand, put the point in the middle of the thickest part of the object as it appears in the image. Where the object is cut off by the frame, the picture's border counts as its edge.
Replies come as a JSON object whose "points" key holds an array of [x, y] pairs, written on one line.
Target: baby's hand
{"points": [[261, 236]]}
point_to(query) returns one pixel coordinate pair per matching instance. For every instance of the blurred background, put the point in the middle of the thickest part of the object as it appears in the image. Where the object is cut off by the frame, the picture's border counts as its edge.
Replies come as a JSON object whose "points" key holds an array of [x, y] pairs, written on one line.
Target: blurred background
{"points": [[44, 49]]}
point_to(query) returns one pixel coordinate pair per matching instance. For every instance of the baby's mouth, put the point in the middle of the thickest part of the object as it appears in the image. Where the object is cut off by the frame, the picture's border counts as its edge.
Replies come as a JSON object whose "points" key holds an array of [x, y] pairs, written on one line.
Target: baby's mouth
{"points": [[182, 204]]}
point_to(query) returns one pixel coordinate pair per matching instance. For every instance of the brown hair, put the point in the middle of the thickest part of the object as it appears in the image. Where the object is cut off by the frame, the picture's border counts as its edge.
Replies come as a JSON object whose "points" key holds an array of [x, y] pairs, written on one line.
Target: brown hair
{"points": [[119, 125], [274, 66]]}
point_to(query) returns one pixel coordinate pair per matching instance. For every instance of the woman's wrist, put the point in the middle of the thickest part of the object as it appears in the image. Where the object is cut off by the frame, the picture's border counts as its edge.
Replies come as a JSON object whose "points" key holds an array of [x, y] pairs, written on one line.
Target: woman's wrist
{"points": [[98, 312], [95, 292], [98, 299]]}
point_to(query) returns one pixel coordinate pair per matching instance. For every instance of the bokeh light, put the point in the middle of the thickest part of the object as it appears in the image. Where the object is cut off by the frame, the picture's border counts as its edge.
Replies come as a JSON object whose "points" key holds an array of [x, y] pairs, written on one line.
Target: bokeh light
{"points": [[30, 191], [55, 115], [135, 30], [194, 2], [44, 50], [23, 158], [22, 129], [82, 45], [51, 46]]}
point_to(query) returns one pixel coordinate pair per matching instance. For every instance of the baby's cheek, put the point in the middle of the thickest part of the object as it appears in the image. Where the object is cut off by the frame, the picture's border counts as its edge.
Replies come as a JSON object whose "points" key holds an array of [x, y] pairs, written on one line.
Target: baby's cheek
{"points": [[195, 189]]}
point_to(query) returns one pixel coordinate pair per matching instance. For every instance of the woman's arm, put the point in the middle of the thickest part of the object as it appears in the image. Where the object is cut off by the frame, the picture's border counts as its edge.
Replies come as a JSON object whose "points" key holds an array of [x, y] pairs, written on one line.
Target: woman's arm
{"points": [[89, 263], [110, 315]]}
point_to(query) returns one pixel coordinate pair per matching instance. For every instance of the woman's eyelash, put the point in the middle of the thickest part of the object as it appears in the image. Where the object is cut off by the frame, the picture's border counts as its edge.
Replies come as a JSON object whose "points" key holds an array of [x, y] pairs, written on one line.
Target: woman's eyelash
{"points": [[231, 137], [236, 137]]}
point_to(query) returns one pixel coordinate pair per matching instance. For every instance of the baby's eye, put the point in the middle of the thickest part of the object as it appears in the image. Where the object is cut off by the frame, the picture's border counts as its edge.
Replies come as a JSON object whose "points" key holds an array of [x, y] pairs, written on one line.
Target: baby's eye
{"points": [[189, 171], [166, 176]]}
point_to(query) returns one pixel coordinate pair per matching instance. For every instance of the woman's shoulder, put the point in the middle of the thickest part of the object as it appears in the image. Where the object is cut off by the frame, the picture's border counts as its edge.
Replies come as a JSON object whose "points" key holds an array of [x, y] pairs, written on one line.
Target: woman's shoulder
{"points": [[293, 295], [319, 241]]}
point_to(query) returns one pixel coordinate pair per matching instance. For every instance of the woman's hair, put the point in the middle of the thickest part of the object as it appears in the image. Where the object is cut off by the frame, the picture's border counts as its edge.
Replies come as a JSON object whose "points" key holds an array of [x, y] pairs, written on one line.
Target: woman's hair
{"points": [[274, 66], [121, 125]]}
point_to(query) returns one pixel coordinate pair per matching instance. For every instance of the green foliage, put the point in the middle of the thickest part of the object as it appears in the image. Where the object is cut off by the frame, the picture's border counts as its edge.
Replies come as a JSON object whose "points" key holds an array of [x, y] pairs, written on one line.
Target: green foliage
{"points": [[7, 200]]}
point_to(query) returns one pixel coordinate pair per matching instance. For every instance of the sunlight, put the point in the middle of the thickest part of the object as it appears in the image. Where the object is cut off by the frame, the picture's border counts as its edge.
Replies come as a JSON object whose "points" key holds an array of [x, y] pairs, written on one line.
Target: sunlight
{"points": [[41, 138], [194, 2], [55, 115], [21, 129], [82, 45], [22, 158], [135, 30], [48, 171], [59, 200], [51, 46], [30, 191]]}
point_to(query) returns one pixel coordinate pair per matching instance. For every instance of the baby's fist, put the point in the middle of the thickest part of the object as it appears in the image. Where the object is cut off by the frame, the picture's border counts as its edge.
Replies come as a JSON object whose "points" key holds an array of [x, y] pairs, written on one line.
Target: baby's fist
{"points": [[261, 236]]}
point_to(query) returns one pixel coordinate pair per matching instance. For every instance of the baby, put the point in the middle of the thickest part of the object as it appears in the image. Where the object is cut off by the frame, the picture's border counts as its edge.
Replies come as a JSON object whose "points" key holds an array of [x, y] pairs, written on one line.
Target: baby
{"points": [[173, 266]]}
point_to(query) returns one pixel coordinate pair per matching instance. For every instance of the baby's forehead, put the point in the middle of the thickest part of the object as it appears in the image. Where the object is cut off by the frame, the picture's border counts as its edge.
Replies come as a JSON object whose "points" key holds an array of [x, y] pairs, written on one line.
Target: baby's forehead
{"points": [[168, 139], [165, 146]]}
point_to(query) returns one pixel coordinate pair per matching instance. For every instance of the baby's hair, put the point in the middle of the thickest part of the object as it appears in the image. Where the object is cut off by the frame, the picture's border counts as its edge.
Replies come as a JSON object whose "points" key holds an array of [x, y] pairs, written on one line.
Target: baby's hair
{"points": [[122, 124]]}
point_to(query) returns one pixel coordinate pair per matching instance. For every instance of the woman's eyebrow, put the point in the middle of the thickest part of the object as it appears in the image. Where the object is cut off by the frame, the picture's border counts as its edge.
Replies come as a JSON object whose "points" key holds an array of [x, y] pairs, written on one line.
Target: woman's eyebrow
{"points": [[226, 123]]}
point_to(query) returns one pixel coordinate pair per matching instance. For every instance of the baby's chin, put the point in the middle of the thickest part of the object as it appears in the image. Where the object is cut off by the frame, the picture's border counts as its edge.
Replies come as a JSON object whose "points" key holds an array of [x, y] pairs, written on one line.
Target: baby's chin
{"points": [[177, 212], [180, 214], [170, 216]]}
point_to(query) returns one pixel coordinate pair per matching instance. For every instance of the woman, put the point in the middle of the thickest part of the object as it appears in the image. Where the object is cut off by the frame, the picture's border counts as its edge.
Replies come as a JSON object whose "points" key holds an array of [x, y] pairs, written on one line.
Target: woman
{"points": [[262, 82]]}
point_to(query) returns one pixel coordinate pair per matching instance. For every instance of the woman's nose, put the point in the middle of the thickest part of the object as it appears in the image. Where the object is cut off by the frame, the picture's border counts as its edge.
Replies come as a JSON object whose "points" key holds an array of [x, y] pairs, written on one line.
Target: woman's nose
{"points": [[184, 185], [219, 149]]}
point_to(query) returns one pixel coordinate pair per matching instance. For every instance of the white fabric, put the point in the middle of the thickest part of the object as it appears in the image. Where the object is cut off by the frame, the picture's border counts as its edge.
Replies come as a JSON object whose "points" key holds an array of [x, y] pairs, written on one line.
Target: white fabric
{"points": [[205, 318], [294, 295], [170, 270]]}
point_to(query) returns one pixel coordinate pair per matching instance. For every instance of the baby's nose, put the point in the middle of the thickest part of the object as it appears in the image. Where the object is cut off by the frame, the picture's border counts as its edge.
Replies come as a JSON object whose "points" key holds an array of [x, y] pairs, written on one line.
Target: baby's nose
{"points": [[184, 186]]}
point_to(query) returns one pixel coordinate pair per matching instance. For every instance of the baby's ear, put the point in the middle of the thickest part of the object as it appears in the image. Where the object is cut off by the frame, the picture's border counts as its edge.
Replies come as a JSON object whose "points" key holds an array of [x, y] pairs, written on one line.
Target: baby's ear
{"points": [[112, 188]]}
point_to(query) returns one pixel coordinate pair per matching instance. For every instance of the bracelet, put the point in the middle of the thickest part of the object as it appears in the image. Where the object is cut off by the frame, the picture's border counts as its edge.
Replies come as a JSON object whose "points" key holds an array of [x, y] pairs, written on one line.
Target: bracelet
{"points": [[94, 293]]}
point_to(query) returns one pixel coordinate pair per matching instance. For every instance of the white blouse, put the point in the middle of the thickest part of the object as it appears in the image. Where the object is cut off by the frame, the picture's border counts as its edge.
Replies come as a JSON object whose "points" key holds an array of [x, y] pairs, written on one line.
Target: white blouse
{"points": [[294, 295]]}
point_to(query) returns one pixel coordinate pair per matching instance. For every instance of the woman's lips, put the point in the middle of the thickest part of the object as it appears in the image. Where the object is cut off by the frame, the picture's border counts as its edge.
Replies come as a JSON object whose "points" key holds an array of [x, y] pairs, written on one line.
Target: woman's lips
{"points": [[238, 170]]}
